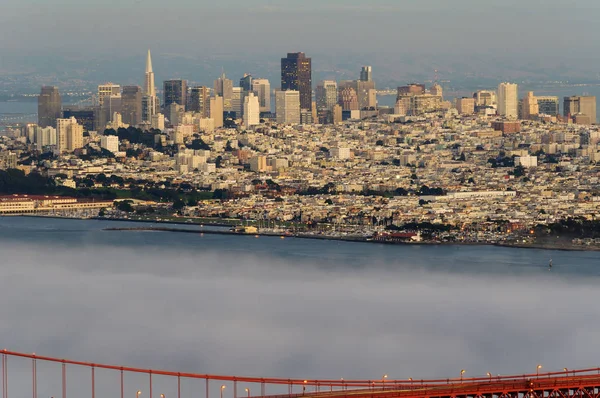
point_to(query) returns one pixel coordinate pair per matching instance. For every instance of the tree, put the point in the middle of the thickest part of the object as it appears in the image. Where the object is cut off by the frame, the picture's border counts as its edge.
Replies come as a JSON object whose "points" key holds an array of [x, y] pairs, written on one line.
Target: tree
{"points": [[329, 202], [178, 205], [125, 205]]}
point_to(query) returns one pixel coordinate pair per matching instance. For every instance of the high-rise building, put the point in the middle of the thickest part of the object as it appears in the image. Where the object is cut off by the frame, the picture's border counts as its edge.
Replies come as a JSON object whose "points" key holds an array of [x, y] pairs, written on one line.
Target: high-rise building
{"points": [[131, 105], [583, 107], [485, 98], [262, 89], [366, 74], [327, 94], [237, 102], [508, 100], [436, 89], [175, 92], [110, 105], [110, 143], [49, 106], [296, 75], [69, 135], [251, 110], [150, 103], [548, 105], [200, 101], [465, 106], [224, 88], [107, 90], [287, 107], [45, 136], [246, 82], [529, 107], [216, 110], [337, 114], [348, 99], [87, 117]]}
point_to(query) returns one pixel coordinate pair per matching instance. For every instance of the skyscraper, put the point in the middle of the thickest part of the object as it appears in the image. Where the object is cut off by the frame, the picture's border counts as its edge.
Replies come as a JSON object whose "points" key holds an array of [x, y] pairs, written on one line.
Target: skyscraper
{"points": [[327, 95], [296, 74], [49, 106], [69, 134], [200, 100], [348, 99], [224, 88], [237, 102], [529, 106], [548, 105], [246, 82], [131, 105], [107, 90], [262, 89], [175, 92], [366, 74], [150, 102], [251, 110], [216, 110], [287, 107], [584, 107], [508, 100]]}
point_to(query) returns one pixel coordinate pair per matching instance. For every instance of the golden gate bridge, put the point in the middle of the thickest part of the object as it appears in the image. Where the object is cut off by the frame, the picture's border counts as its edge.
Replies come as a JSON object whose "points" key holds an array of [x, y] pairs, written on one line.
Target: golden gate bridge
{"points": [[581, 383]]}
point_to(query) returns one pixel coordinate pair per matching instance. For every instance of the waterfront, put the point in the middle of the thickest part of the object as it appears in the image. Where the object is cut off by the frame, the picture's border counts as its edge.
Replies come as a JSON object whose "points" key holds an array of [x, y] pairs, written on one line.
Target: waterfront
{"points": [[291, 307]]}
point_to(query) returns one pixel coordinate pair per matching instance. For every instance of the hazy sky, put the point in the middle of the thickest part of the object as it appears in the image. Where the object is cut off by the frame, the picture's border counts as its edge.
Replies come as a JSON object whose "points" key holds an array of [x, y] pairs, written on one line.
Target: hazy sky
{"points": [[399, 37]]}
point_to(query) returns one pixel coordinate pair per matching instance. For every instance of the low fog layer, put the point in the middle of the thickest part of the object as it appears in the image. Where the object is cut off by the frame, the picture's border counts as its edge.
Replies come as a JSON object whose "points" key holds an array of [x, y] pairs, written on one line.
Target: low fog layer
{"points": [[208, 310]]}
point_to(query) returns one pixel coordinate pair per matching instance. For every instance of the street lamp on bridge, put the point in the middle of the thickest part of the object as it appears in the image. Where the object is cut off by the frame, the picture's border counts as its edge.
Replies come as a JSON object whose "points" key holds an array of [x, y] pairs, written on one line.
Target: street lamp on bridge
{"points": [[248, 391], [538, 370], [490, 376], [222, 388], [461, 374], [304, 387], [411, 382], [566, 371], [162, 395], [138, 393], [383, 381]]}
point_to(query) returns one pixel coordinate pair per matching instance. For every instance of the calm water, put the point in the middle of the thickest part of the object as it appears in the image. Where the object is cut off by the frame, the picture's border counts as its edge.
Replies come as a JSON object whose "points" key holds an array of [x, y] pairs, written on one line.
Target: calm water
{"points": [[292, 307]]}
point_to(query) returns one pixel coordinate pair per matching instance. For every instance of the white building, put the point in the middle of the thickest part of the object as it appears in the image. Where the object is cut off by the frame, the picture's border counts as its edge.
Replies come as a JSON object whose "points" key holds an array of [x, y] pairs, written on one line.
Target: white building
{"points": [[287, 104], [45, 136], [340, 152], [262, 89], [110, 143], [508, 100], [158, 121], [69, 135], [108, 90], [526, 161], [251, 110]]}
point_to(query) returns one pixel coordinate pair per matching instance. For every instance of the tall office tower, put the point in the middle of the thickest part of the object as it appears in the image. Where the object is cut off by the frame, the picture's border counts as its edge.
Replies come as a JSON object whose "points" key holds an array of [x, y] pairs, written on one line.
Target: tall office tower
{"points": [[366, 94], [529, 106], [131, 105], [224, 88], [86, 116], [485, 98], [296, 74], [49, 106], [110, 105], [337, 114], [175, 92], [237, 102], [69, 135], [436, 89], [246, 82], [107, 90], [465, 106], [366, 74], [200, 100], [262, 89], [348, 99], [216, 110], [548, 105], [251, 110], [508, 100], [150, 103], [287, 107], [581, 109], [158, 122], [327, 94]]}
